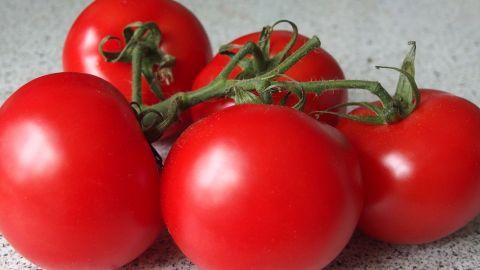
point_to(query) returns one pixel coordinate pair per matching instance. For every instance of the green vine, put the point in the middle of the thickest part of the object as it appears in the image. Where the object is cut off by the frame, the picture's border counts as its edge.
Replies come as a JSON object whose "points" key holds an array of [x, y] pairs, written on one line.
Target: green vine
{"points": [[259, 74]]}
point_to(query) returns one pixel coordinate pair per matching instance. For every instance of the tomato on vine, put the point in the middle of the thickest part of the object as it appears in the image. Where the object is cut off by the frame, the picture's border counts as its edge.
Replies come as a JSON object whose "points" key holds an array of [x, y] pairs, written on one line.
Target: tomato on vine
{"points": [[261, 187], [182, 37], [78, 181], [422, 174], [316, 65]]}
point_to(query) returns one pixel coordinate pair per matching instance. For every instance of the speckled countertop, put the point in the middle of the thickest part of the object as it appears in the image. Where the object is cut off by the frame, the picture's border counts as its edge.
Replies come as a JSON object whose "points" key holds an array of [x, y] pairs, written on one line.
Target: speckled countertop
{"points": [[359, 34]]}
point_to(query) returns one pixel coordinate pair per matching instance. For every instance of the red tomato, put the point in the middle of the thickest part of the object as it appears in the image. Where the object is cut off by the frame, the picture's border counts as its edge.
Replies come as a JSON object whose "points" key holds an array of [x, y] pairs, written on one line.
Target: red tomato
{"points": [[182, 36], [421, 175], [78, 181], [261, 187], [317, 65]]}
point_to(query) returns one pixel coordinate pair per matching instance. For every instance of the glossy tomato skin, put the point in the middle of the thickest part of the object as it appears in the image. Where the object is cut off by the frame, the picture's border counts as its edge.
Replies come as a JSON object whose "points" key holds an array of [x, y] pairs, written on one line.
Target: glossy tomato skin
{"points": [[78, 181], [421, 175], [261, 187], [317, 65], [182, 36]]}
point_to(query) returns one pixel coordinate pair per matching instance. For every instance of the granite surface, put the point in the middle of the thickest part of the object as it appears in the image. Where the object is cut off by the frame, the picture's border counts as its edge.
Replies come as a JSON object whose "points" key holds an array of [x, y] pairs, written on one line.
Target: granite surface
{"points": [[360, 34]]}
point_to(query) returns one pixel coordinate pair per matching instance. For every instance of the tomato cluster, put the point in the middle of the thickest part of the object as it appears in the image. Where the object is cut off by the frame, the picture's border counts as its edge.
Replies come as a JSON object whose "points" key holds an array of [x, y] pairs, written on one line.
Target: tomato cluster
{"points": [[246, 186]]}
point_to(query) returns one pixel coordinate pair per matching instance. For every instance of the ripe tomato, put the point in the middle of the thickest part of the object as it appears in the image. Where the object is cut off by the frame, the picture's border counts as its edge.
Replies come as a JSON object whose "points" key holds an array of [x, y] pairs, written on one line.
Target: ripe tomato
{"points": [[421, 175], [182, 36], [78, 181], [277, 191], [317, 65]]}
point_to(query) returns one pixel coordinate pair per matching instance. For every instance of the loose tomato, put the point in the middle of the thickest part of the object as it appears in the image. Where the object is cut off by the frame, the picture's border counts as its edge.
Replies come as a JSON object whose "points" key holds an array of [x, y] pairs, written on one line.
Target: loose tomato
{"points": [[182, 36], [317, 65], [78, 181], [261, 187], [421, 175]]}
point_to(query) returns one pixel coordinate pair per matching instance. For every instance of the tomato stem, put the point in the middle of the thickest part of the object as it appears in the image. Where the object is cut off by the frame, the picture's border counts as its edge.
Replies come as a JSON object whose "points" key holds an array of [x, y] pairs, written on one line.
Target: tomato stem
{"points": [[137, 57], [286, 64], [261, 77], [248, 48], [265, 44], [221, 87], [407, 94], [142, 49]]}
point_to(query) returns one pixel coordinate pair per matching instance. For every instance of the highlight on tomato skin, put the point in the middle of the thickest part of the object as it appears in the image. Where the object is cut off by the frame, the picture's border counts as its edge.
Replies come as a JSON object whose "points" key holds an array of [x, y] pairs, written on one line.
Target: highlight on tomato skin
{"points": [[261, 187], [78, 181], [316, 65], [421, 175]]}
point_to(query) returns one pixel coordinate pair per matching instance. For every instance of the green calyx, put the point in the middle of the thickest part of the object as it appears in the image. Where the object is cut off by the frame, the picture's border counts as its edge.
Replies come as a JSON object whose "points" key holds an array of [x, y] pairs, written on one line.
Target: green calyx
{"points": [[392, 108], [261, 63], [142, 49], [407, 95]]}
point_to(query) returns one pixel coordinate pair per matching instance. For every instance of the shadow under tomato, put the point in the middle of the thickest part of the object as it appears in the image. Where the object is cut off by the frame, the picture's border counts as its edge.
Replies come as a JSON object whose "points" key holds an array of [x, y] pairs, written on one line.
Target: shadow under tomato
{"points": [[461, 250], [163, 254]]}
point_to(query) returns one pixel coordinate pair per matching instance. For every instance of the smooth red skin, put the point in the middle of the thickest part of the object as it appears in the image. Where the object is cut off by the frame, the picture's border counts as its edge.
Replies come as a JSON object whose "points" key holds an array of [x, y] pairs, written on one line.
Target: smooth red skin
{"points": [[421, 175], [78, 182], [183, 36], [317, 65], [261, 187]]}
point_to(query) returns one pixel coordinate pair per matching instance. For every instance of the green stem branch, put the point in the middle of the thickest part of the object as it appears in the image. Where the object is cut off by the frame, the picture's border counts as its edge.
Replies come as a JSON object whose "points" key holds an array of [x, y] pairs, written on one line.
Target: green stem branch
{"points": [[137, 58], [247, 49], [140, 50], [311, 44], [184, 100], [221, 87]]}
